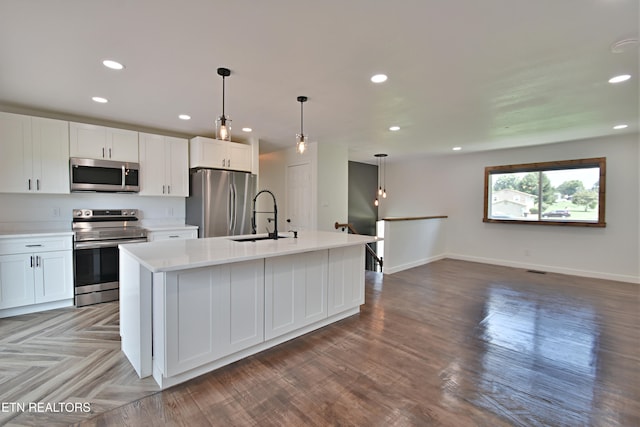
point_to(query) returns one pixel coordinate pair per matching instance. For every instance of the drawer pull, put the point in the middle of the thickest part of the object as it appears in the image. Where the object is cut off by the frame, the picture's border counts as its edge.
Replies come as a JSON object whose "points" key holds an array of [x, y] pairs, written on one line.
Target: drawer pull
{"points": [[173, 237], [33, 246]]}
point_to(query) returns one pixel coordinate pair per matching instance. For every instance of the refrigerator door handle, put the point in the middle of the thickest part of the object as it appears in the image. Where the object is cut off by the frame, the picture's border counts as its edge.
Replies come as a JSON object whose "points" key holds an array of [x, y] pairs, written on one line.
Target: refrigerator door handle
{"points": [[234, 217], [230, 209]]}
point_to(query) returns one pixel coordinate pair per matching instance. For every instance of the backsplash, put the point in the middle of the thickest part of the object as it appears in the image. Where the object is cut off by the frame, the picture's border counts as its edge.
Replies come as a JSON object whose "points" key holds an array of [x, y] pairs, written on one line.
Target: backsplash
{"points": [[54, 211]]}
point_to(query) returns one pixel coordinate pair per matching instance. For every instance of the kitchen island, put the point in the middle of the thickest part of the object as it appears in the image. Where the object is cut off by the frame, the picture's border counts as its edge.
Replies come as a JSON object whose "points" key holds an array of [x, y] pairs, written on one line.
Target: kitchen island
{"points": [[188, 307]]}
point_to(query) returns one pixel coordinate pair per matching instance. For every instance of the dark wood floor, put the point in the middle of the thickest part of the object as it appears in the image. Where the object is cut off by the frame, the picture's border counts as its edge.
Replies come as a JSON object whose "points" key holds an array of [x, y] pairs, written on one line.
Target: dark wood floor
{"points": [[451, 343]]}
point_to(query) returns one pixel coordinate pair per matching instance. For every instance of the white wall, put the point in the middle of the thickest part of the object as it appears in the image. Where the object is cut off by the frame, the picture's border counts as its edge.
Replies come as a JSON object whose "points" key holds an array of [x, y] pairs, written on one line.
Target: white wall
{"points": [[41, 211], [453, 185], [329, 182]]}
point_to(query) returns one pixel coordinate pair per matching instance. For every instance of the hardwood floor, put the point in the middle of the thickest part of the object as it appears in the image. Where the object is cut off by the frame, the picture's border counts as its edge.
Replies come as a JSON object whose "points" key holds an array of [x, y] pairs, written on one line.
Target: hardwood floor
{"points": [[452, 343]]}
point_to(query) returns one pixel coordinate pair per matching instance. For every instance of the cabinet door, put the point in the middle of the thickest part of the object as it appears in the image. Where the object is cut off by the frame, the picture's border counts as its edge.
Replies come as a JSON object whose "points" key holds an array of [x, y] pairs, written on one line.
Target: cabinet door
{"points": [[152, 165], [239, 157], [211, 313], [346, 278], [295, 291], [16, 280], [53, 276], [50, 155], [87, 141], [15, 145], [121, 145], [207, 153], [246, 300], [177, 166]]}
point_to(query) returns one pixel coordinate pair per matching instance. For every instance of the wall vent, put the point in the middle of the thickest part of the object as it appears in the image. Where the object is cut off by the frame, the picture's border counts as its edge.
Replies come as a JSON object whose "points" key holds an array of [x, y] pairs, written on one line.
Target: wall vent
{"points": [[536, 271]]}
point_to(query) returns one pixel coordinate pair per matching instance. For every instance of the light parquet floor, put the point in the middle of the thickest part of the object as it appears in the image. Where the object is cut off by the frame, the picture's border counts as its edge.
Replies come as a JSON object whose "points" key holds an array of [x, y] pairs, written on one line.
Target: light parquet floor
{"points": [[451, 343], [69, 355]]}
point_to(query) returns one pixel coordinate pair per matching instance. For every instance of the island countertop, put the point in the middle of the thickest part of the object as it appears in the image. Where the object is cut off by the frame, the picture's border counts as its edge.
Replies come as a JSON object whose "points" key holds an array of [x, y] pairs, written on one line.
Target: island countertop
{"points": [[174, 255]]}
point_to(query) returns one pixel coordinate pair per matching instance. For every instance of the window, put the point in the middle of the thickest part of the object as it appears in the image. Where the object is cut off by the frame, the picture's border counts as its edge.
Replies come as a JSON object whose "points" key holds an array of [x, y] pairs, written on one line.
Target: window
{"points": [[568, 192]]}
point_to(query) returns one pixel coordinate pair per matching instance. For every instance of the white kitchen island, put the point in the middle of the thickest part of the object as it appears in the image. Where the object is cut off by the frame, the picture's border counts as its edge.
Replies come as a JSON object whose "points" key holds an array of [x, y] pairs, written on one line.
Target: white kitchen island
{"points": [[188, 307]]}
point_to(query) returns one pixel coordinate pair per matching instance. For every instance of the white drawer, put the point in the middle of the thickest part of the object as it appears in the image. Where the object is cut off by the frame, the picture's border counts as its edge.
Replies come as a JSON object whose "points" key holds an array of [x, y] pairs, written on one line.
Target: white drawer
{"points": [[35, 244], [172, 234]]}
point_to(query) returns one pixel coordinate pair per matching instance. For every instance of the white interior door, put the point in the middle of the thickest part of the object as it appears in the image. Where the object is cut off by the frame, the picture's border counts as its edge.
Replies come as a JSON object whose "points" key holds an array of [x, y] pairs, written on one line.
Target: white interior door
{"points": [[299, 197]]}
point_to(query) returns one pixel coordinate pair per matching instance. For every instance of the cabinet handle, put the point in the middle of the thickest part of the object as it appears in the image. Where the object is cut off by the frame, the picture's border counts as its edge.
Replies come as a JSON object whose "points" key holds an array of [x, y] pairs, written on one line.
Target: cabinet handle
{"points": [[29, 185], [37, 261], [103, 152], [173, 237], [109, 152], [163, 189], [33, 246], [223, 162], [38, 184], [168, 189], [31, 264]]}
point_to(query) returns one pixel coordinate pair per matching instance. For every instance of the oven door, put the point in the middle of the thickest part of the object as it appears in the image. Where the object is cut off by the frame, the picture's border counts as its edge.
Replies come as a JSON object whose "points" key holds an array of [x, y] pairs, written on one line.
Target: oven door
{"points": [[96, 267]]}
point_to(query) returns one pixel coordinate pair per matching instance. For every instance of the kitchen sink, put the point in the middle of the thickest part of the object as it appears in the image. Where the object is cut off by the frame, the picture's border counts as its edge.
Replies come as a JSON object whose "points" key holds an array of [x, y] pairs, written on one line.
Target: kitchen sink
{"points": [[256, 238]]}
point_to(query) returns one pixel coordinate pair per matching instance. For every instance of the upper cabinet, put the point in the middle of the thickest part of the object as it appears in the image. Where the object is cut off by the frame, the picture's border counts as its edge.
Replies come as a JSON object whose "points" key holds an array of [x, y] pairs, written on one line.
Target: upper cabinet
{"points": [[99, 142], [35, 154], [216, 154], [164, 166]]}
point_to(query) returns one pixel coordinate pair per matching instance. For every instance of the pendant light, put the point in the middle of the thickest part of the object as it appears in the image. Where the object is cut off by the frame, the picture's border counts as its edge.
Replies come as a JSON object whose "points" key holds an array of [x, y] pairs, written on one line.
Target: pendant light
{"points": [[301, 139], [223, 130], [382, 178]]}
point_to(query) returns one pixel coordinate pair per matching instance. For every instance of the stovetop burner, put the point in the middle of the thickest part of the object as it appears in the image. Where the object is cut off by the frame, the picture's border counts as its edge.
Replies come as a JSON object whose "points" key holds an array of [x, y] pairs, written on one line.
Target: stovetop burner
{"points": [[106, 224]]}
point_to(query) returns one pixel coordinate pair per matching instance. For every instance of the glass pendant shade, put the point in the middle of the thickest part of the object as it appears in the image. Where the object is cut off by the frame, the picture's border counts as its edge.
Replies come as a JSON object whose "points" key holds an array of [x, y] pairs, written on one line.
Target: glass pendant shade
{"points": [[223, 130], [301, 143]]}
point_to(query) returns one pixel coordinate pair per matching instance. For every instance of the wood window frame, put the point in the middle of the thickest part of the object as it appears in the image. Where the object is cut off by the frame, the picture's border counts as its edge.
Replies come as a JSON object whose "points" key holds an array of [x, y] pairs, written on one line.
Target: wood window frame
{"points": [[599, 162]]}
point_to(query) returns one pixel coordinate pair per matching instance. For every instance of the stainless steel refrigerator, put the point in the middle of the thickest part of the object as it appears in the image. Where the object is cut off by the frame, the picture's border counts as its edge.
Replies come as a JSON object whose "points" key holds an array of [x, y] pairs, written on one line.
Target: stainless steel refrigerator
{"points": [[220, 202]]}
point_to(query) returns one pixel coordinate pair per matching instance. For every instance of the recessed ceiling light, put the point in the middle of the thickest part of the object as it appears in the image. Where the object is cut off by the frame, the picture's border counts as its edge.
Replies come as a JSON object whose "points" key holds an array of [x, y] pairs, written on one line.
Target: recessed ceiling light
{"points": [[246, 129], [457, 148], [618, 127], [184, 117], [379, 78], [112, 64], [394, 128], [620, 78], [100, 99]]}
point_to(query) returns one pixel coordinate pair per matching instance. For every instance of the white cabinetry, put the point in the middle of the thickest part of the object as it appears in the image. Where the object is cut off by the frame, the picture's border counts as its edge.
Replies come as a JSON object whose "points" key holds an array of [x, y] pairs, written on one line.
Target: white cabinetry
{"points": [[216, 154], [164, 166], [346, 278], [210, 313], [99, 142], [35, 270], [35, 154], [295, 292], [178, 233]]}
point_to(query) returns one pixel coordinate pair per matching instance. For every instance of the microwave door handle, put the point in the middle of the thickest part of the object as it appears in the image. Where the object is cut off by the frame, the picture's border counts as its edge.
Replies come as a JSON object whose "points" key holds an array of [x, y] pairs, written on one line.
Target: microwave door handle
{"points": [[123, 177]]}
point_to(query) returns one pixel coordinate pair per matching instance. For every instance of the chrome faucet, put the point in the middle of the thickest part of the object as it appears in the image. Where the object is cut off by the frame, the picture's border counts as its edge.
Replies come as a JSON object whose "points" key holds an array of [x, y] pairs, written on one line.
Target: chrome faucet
{"points": [[273, 235]]}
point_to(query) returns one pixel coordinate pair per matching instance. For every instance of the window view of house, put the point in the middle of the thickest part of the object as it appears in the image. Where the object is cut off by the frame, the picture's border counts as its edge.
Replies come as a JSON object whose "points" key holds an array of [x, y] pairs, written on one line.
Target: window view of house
{"points": [[567, 192]]}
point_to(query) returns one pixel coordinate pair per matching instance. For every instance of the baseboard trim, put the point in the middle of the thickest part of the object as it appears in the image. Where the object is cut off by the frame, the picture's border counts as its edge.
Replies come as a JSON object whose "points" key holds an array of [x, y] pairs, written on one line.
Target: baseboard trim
{"points": [[548, 268], [406, 266]]}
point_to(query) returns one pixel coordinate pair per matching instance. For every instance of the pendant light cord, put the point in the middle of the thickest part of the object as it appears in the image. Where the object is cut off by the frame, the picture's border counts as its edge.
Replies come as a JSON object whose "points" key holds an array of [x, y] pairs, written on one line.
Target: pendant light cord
{"points": [[223, 96], [301, 118]]}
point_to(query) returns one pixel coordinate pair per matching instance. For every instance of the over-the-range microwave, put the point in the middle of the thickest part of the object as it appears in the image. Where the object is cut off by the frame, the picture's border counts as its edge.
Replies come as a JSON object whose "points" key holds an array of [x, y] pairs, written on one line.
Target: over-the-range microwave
{"points": [[104, 175]]}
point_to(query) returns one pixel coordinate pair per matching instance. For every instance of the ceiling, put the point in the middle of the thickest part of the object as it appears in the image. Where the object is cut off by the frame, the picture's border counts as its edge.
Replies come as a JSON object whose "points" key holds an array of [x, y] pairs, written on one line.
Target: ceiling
{"points": [[480, 75]]}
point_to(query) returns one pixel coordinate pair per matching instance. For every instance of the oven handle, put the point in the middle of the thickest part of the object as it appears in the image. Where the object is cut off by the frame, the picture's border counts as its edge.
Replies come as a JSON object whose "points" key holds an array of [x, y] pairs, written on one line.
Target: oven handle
{"points": [[123, 173], [106, 244]]}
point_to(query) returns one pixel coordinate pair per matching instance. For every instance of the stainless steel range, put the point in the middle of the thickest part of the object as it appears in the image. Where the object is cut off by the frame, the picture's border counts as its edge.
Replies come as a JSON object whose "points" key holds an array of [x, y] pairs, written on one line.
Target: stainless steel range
{"points": [[97, 234]]}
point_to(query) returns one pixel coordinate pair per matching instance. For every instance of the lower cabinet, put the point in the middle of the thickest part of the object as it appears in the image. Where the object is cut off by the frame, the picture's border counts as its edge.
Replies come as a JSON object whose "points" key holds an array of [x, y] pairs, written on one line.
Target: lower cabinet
{"points": [[205, 314], [295, 291], [346, 278], [35, 277], [212, 312]]}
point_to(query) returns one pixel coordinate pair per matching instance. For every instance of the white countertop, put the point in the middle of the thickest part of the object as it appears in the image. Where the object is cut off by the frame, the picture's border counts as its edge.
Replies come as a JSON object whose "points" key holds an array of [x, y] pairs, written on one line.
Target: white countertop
{"points": [[173, 255], [25, 233]]}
